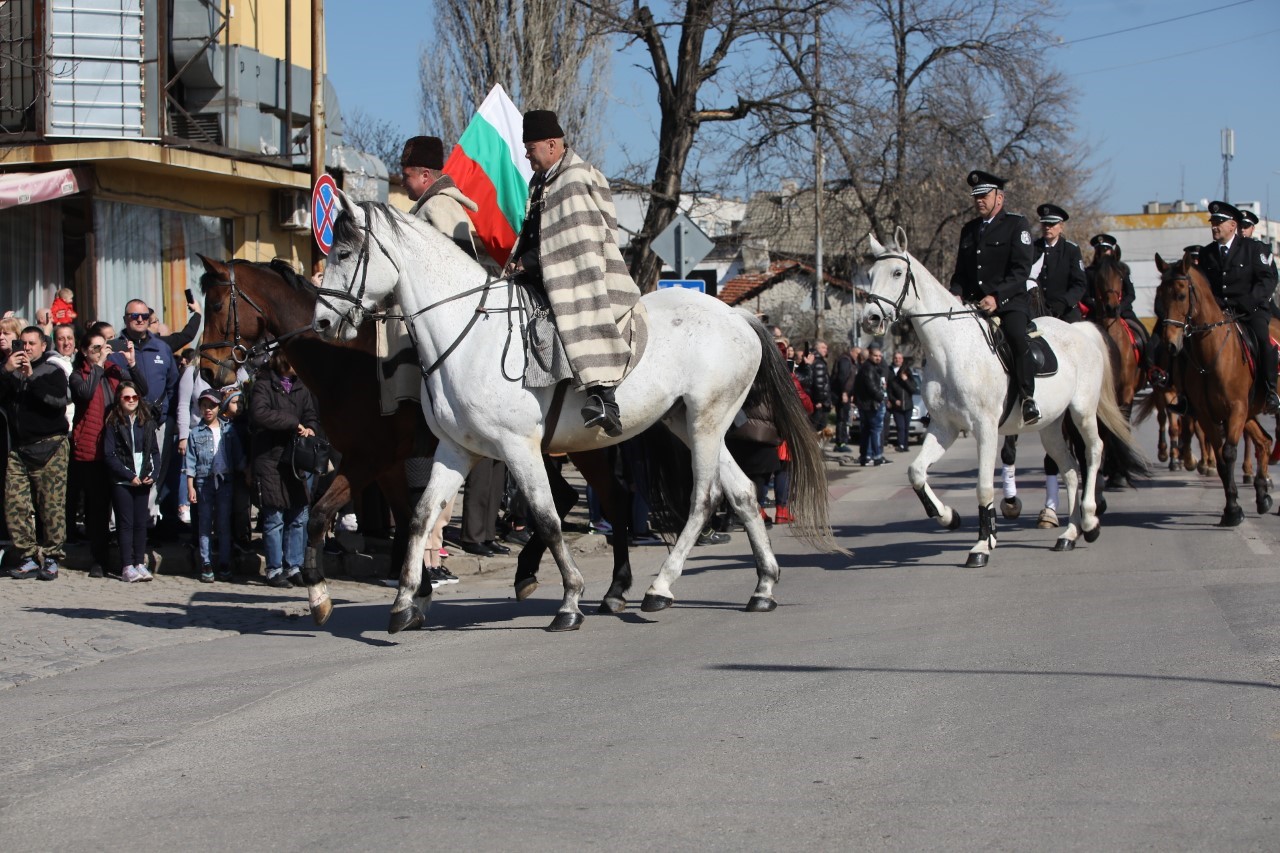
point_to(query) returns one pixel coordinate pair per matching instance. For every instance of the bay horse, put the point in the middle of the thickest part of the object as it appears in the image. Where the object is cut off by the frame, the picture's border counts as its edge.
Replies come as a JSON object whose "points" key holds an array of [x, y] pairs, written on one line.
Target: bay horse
{"points": [[703, 359], [1211, 371], [253, 307], [965, 388], [1106, 281]]}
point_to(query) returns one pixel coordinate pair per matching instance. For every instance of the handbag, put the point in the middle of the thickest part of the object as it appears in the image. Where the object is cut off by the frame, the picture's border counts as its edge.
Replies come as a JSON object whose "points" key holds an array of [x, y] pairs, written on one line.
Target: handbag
{"points": [[308, 454]]}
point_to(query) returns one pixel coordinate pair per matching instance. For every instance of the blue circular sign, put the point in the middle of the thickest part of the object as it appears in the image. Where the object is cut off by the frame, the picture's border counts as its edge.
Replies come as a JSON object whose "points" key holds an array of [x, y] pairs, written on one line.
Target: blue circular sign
{"points": [[324, 209]]}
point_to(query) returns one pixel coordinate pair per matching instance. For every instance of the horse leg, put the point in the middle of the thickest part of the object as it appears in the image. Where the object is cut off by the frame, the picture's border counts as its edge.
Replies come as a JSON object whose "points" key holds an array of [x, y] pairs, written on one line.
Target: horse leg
{"points": [[980, 553], [1055, 444], [937, 441], [1011, 506], [447, 474], [616, 501], [1226, 447], [530, 556], [322, 515], [1162, 432], [1246, 461], [1257, 436], [527, 468], [706, 452], [741, 493]]}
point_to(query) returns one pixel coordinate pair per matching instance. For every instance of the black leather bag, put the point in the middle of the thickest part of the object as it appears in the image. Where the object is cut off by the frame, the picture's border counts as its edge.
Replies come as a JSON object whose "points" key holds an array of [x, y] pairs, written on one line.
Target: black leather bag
{"points": [[308, 454]]}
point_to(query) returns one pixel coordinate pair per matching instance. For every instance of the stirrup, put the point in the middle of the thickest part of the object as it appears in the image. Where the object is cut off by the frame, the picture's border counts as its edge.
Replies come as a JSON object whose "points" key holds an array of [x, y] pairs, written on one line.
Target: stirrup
{"points": [[601, 413], [1158, 377]]}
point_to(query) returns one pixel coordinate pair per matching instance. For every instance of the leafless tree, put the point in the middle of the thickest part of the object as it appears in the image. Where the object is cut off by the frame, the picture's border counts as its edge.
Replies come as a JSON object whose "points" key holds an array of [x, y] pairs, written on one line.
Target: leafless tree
{"points": [[547, 54], [375, 136], [925, 91], [686, 45]]}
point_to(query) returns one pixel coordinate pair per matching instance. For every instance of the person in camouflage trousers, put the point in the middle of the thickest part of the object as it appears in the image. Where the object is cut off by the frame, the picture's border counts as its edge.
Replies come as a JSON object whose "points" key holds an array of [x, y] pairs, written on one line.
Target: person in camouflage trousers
{"points": [[34, 393]]}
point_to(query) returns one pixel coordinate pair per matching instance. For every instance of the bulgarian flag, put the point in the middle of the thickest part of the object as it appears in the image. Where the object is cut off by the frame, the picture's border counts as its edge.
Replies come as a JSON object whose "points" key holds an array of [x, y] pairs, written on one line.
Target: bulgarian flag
{"points": [[489, 166]]}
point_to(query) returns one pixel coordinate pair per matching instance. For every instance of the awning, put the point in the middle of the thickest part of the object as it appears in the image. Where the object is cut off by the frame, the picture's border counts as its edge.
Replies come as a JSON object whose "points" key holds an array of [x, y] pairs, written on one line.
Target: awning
{"points": [[30, 187]]}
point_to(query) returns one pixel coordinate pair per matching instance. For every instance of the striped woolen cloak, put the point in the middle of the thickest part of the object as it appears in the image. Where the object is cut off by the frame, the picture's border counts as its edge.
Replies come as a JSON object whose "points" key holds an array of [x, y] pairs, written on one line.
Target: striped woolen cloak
{"points": [[595, 302]]}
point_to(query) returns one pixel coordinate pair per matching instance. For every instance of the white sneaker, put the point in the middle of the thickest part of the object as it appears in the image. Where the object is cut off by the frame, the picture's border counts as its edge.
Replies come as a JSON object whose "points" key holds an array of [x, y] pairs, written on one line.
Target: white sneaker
{"points": [[348, 523], [184, 514], [144, 574], [130, 574]]}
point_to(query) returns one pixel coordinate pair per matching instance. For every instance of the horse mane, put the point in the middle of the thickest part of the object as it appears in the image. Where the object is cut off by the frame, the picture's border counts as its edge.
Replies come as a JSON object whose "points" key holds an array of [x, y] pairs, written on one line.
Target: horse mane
{"points": [[347, 232]]}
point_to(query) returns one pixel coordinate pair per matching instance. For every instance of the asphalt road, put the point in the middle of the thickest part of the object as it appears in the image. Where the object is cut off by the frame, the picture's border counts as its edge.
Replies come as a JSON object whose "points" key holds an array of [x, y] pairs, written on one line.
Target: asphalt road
{"points": [[1125, 695]]}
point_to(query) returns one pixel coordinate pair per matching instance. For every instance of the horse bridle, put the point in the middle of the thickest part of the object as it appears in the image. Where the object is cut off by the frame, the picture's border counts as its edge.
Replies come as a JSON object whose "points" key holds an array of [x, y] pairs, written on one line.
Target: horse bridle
{"points": [[910, 285], [1189, 328], [241, 354]]}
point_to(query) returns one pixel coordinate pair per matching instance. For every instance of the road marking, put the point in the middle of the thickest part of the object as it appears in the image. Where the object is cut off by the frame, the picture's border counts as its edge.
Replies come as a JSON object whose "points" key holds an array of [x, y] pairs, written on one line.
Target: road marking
{"points": [[1252, 539]]}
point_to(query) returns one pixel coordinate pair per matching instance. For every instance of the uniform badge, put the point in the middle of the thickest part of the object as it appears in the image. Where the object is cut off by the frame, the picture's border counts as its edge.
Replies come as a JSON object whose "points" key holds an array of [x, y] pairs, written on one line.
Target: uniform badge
{"points": [[1026, 238], [1081, 263], [1266, 259]]}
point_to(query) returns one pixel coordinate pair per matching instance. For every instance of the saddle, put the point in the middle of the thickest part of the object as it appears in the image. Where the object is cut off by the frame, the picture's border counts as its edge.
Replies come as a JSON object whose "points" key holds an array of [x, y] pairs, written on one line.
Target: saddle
{"points": [[1042, 355], [1251, 353]]}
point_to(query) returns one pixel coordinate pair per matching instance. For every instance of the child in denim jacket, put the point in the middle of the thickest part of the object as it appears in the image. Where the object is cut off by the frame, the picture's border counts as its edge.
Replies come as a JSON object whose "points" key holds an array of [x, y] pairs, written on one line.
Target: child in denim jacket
{"points": [[214, 458]]}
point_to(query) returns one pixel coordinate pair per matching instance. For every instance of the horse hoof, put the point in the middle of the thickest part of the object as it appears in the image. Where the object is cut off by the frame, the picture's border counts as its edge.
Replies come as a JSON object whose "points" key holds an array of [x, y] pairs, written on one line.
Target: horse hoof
{"points": [[1092, 535], [1264, 505], [1246, 480], [976, 561], [613, 605], [525, 587], [406, 620], [1064, 544], [1162, 455], [1173, 464], [321, 612], [955, 521], [1011, 507], [570, 621], [1233, 517], [761, 604], [653, 603]]}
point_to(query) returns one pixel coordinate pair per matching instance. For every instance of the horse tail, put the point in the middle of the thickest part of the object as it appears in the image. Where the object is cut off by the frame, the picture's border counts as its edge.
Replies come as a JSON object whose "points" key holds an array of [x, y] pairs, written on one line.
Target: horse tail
{"points": [[1120, 452], [1144, 407], [809, 497]]}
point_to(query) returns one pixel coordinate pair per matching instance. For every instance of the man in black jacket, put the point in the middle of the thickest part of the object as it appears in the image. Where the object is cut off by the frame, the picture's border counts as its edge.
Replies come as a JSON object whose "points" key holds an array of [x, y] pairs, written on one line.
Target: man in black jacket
{"points": [[992, 268], [1243, 279], [816, 380], [33, 392], [1061, 279], [870, 391], [842, 390]]}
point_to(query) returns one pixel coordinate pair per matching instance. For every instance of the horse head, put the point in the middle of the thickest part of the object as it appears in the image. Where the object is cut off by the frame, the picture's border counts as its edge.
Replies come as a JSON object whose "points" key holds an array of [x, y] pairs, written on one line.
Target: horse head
{"points": [[1175, 301], [363, 268], [1106, 280], [893, 282], [228, 330]]}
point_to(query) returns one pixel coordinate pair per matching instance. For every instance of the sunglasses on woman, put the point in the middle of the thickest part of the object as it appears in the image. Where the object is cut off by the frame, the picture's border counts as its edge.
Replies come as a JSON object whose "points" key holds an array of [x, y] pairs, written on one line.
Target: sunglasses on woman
{"points": [[127, 397]]}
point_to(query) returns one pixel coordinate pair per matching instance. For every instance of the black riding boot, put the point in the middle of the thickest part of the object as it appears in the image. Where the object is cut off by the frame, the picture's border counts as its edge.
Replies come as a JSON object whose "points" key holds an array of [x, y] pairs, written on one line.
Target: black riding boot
{"points": [[602, 411], [1030, 411]]}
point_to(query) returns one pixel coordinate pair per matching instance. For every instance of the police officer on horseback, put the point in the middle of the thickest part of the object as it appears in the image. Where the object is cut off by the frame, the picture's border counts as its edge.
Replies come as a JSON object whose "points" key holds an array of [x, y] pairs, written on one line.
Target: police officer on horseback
{"points": [[1243, 279], [1061, 279], [992, 268]]}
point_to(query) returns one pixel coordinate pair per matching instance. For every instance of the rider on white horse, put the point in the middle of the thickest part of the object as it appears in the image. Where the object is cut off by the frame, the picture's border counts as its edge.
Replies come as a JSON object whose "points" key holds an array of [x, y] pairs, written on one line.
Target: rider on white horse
{"points": [[992, 268], [568, 251]]}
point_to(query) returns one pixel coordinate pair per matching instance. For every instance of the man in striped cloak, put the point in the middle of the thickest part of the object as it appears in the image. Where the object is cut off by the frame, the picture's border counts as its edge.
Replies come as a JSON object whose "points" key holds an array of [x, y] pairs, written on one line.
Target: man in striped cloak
{"points": [[567, 250]]}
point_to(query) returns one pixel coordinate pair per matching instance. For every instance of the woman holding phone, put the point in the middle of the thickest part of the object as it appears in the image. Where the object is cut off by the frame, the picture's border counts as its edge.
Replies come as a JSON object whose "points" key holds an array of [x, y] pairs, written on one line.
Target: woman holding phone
{"points": [[132, 456]]}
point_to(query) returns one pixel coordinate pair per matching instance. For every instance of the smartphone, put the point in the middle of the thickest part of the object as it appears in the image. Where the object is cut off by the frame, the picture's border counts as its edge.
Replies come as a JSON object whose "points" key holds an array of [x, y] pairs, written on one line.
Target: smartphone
{"points": [[190, 296], [791, 365]]}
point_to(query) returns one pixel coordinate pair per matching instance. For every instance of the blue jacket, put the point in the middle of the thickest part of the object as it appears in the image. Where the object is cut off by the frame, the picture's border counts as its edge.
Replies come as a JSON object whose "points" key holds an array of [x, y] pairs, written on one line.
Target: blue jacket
{"points": [[199, 460], [155, 361]]}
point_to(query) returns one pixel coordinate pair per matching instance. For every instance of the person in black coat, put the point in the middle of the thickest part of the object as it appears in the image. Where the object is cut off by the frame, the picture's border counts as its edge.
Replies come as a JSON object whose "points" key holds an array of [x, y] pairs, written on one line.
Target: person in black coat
{"points": [[902, 391], [1243, 280], [131, 451], [280, 409], [992, 268], [1061, 280], [870, 391]]}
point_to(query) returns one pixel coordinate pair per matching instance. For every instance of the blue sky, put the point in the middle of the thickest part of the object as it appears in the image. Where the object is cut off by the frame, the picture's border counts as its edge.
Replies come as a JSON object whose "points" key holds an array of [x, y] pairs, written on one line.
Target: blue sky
{"points": [[1152, 103]]}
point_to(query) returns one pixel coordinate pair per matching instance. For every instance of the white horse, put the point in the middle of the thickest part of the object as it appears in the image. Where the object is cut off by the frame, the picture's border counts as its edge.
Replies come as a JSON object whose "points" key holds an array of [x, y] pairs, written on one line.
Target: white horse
{"points": [[965, 385], [703, 358]]}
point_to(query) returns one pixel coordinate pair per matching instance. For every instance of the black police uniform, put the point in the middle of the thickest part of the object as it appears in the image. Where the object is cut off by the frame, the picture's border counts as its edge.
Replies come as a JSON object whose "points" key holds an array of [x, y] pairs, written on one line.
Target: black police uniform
{"points": [[1062, 282], [1243, 279], [996, 261]]}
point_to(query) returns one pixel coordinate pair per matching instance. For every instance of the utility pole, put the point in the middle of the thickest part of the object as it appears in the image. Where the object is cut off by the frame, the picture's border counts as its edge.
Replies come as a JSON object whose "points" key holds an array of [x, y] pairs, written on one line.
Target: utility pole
{"points": [[317, 106], [819, 282], [1228, 152]]}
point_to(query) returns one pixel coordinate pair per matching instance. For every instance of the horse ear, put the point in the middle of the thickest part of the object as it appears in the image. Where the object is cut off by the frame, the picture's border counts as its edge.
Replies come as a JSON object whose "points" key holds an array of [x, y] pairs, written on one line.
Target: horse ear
{"points": [[900, 236], [211, 266], [1160, 263], [876, 248], [349, 207]]}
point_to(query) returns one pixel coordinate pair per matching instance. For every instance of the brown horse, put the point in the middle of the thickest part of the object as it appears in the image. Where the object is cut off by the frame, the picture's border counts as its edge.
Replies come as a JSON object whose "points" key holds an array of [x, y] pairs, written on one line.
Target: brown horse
{"points": [[1211, 371], [1106, 282], [250, 308]]}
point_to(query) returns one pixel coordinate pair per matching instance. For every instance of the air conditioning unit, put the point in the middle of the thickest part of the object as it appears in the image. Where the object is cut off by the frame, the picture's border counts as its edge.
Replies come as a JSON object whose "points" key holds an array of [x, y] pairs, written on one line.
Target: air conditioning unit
{"points": [[293, 209]]}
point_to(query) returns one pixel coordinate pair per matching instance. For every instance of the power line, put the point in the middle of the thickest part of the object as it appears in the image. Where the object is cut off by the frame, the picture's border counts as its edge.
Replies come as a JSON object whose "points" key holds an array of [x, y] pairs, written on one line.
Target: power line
{"points": [[1179, 55], [1153, 23]]}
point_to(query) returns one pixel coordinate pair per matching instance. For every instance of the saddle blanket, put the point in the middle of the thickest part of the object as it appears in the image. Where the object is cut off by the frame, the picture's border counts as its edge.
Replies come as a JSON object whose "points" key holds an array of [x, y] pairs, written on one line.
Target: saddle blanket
{"points": [[547, 362]]}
